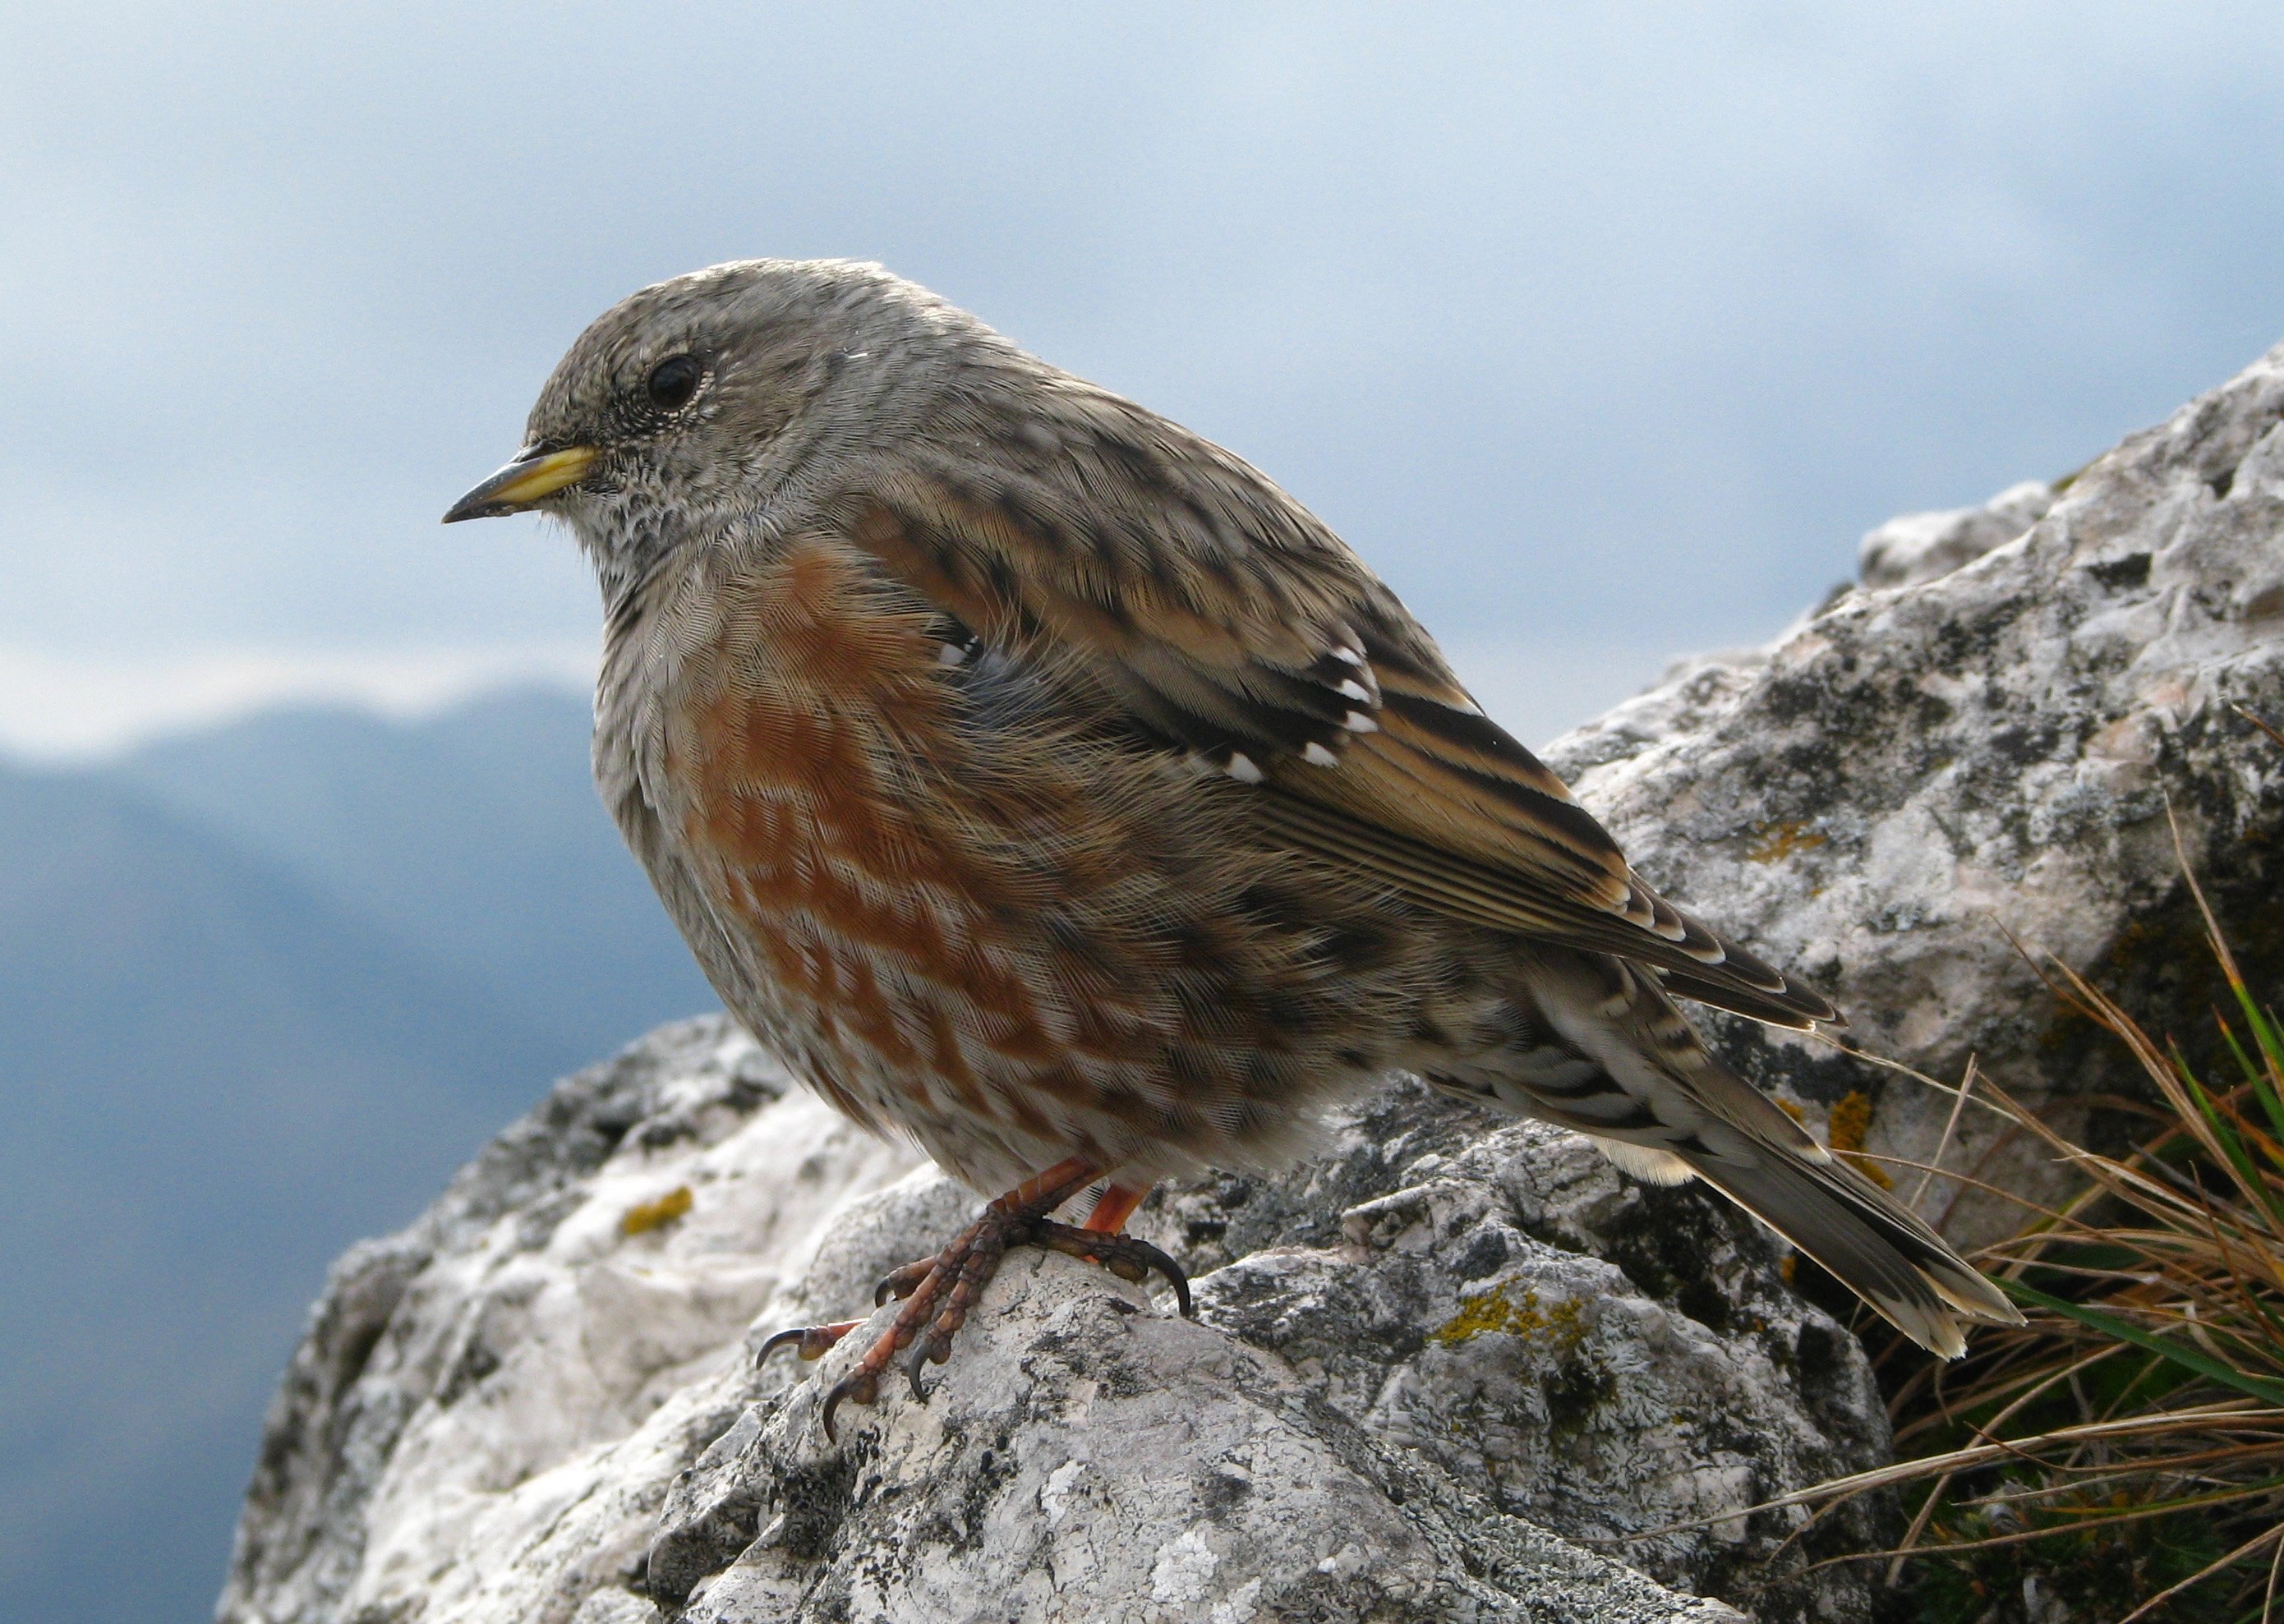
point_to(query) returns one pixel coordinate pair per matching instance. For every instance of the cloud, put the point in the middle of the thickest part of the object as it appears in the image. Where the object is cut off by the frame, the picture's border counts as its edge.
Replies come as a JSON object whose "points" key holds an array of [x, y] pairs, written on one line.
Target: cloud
{"points": [[1616, 323], [60, 707]]}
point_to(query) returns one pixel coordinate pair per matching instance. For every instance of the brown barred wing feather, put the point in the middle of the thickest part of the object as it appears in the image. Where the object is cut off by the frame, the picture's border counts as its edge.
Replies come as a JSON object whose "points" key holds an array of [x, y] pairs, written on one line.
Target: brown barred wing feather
{"points": [[1183, 591]]}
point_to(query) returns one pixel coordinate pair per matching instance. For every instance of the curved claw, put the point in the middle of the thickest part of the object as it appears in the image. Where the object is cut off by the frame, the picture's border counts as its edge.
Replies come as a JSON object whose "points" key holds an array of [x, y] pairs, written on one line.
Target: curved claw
{"points": [[1122, 1254], [863, 1386], [814, 1341], [1166, 1266], [793, 1335], [939, 1291], [919, 1357]]}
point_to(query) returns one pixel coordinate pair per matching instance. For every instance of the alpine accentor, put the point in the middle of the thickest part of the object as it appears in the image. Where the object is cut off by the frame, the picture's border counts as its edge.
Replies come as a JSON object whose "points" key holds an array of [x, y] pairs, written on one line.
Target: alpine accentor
{"points": [[1042, 782]]}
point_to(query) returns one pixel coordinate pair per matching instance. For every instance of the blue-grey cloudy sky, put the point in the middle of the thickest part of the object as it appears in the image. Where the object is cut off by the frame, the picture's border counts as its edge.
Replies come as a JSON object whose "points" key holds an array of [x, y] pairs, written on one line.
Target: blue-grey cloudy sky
{"points": [[1602, 331]]}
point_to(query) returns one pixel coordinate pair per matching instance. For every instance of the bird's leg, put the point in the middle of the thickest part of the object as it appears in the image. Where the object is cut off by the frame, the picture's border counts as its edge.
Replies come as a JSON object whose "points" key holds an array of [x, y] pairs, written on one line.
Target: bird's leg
{"points": [[938, 1292], [1114, 1207]]}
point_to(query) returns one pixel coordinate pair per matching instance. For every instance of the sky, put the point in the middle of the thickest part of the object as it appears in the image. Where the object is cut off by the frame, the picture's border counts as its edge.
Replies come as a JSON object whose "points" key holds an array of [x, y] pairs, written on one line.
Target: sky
{"points": [[1603, 331]]}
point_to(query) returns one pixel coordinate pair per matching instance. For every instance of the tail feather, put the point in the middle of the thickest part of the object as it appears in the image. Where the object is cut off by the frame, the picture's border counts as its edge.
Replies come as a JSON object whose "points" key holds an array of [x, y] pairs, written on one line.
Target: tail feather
{"points": [[1869, 1241], [1611, 1057]]}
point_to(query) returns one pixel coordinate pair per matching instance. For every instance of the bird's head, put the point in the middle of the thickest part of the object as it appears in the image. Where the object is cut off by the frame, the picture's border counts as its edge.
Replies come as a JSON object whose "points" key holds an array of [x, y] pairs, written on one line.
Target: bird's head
{"points": [[689, 406]]}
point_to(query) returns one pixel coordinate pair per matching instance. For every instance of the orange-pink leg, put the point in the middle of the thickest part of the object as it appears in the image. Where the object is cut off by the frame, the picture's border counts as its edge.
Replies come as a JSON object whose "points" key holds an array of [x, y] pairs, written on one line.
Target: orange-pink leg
{"points": [[1114, 1207], [938, 1292]]}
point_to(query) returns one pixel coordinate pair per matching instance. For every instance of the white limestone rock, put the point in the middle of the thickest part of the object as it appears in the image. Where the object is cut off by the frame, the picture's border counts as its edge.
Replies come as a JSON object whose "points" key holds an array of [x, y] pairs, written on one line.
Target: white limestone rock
{"points": [[1922, 546], [515, 1369], [1911, 781], [1085, 1455], [1603, 1358], [519, 1410]]}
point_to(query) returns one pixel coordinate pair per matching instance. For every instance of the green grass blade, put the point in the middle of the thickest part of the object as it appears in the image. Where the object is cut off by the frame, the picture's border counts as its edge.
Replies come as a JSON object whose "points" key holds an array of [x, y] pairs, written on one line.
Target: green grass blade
{"points": [[2125, 1330], [2264, 1034], [2256, 1079], [2232, 1145], [2267, 1081]]}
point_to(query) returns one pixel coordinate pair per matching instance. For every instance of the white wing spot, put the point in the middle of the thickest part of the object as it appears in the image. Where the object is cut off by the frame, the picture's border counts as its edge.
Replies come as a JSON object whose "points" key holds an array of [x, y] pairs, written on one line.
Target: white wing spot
{"points": [[1317, 755], [1354, 657], [951, 654], [1353, 690], [1356, 721], [1241, 769]]}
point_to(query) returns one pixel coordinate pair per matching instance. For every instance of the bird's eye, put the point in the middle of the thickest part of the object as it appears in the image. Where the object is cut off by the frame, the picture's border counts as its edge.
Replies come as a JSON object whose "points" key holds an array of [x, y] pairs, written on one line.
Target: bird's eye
{"points": [[673, 381]]}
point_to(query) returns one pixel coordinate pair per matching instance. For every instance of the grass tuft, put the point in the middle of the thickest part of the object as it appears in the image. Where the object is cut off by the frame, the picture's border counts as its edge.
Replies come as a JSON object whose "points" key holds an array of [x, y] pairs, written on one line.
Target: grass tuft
{"points": [[2121, 1455]]}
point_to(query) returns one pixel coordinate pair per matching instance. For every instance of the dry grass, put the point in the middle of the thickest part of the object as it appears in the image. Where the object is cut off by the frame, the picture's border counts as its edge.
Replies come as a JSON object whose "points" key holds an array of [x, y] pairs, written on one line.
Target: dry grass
{"points": [[2120, 1456]]}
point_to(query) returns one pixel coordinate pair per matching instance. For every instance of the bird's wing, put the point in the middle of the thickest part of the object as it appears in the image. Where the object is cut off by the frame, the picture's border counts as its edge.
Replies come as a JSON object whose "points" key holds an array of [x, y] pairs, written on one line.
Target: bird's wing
{"points": [[1091, 538]]}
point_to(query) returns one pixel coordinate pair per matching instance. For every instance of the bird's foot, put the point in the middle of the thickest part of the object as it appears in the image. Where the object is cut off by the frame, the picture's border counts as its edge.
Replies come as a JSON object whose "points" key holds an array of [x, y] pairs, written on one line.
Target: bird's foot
{"points": [[938, 1292], [1122, 1254]]}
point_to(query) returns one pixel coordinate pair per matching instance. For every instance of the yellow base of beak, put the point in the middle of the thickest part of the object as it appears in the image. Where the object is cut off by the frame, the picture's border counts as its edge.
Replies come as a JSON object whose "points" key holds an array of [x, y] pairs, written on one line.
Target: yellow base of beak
{"points": [[526, 481]]}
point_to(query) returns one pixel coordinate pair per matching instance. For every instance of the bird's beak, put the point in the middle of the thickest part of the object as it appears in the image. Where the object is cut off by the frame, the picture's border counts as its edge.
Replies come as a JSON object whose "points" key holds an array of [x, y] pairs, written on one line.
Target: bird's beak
{"points": [[533, 475]]}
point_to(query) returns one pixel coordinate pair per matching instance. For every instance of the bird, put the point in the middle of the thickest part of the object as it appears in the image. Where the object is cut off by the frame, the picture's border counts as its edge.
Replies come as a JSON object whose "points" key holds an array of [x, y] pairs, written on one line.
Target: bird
{"points": [[1047, 786]]}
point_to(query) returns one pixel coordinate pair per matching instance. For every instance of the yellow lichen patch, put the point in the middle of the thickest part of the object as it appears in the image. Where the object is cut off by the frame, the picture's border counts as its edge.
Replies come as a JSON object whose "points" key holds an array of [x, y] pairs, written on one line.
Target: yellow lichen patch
{"points": [[1775, 842], [656, 1215], [1495, 1310], [1849, 1123], [1490, 1311]]}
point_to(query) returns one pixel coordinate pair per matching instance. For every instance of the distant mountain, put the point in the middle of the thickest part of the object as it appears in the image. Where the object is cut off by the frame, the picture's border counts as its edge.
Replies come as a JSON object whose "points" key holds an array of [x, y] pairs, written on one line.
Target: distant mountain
{"points": [[261, 990], [476, 835]]}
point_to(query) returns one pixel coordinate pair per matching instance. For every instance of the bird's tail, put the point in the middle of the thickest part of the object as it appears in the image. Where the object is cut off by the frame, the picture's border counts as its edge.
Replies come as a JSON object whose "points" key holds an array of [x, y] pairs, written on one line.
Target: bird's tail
{"points": [[1616, 1060], [1875, 1245]]}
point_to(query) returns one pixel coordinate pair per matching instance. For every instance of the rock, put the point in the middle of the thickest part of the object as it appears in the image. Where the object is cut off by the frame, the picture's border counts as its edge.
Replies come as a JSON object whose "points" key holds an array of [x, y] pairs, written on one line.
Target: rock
{"points": [[1913, 780], [539, 1403], [1922, 546], [1452, 1366], [517, 1340], [1603, 1358], [1085, 1455]]}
